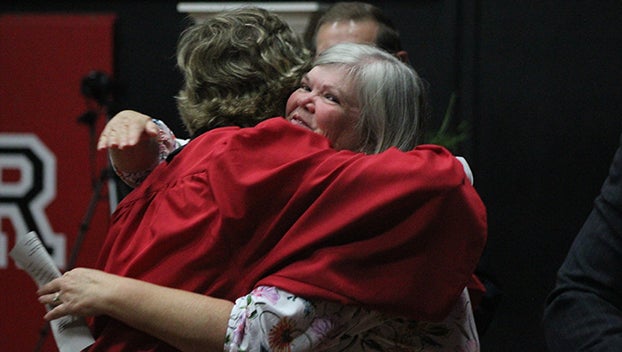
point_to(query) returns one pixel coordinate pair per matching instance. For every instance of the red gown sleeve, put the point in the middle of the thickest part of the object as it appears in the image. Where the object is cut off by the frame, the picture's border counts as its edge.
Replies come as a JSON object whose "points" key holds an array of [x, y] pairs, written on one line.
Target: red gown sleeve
{"points": [[399, 232]]}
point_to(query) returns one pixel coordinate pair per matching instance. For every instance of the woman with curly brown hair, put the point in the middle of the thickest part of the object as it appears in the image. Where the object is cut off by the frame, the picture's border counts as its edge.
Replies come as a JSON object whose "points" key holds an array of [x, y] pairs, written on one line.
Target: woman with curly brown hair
{"points": [[342, 250]]}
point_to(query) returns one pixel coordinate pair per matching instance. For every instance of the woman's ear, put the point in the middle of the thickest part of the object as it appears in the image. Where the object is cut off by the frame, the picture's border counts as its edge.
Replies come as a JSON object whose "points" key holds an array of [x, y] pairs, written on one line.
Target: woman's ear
{"points": [[403, 56]]}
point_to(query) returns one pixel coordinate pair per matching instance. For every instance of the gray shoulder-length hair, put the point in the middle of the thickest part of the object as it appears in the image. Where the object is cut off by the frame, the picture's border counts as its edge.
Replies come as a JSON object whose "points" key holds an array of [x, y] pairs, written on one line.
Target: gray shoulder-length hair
{"points": [[391, 96]]}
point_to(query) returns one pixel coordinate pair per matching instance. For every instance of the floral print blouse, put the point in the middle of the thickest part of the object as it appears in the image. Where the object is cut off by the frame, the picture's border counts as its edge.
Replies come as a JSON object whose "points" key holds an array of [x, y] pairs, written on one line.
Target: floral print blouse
{"points": [[270, 319]]}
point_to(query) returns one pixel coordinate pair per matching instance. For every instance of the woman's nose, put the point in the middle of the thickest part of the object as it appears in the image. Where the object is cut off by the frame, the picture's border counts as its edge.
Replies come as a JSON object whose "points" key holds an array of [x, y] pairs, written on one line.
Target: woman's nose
{"points": [[306, 101]]}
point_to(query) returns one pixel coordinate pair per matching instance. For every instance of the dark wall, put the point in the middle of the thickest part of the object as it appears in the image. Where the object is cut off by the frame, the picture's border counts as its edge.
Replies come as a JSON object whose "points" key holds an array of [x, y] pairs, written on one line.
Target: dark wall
{"points": [[548, 113], [539, 83]]}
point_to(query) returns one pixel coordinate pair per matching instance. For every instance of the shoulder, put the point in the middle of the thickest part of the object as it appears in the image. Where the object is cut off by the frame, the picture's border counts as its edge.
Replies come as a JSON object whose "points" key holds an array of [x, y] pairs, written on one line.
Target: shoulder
{"points": [[433, 164], [273, 131]]}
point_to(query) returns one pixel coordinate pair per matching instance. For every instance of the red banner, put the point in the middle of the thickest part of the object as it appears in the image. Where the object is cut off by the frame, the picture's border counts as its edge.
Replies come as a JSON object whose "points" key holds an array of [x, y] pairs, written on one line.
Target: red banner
{"points": [[49, 172]]}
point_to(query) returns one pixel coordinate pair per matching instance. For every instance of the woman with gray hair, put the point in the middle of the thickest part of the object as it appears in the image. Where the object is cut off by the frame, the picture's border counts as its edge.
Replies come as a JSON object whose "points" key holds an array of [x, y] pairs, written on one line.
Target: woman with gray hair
{"points": [[330, 278], [385, 99]]}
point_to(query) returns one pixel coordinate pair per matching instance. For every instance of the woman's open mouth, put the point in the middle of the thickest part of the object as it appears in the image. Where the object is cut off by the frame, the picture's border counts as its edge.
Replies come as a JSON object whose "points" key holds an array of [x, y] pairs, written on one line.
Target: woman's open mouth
{"points": [[296, 120]]}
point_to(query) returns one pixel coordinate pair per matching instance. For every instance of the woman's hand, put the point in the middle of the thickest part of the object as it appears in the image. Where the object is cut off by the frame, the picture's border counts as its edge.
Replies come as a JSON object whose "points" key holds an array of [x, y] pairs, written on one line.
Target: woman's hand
{"points": [[79, 292], [132, 141], [127, 129], [186, 320]]}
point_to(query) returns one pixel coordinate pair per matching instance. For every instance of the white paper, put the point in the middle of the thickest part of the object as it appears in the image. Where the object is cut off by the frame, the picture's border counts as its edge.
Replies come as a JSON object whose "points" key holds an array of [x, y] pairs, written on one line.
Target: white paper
{"points": [[71, 333]]}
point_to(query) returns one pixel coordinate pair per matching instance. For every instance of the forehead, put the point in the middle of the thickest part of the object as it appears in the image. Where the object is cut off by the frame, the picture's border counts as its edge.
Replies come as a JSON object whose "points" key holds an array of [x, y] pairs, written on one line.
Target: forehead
{"points": [[328, 75], [346, 31], [333, 77]]}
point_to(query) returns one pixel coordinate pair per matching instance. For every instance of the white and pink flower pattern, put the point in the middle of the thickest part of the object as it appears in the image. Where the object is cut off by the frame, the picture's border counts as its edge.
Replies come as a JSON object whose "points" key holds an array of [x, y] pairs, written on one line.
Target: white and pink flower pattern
{"points": [[270, 319]]}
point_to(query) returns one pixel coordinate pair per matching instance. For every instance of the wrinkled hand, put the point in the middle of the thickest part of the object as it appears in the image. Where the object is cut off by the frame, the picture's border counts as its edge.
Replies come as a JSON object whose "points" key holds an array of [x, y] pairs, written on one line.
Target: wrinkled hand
{"points": [[132, 142], [80, 292], [127, 129]]}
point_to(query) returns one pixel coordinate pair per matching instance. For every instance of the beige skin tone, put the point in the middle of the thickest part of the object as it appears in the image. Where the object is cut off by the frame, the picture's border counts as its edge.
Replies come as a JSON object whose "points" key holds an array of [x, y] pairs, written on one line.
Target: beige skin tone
{"points": [[186, 320], [122, 137], [324, 104], [349, 31]]}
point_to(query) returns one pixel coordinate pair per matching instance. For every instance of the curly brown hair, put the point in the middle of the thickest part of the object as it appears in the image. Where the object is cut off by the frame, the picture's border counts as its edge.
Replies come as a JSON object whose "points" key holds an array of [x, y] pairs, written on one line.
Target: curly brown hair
{"points": [[239, 68]]}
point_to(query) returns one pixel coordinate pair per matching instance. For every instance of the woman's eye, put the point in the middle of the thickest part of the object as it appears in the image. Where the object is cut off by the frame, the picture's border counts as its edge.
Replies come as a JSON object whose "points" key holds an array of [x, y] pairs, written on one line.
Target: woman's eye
{"points": [[332, 98], [305, 87]]}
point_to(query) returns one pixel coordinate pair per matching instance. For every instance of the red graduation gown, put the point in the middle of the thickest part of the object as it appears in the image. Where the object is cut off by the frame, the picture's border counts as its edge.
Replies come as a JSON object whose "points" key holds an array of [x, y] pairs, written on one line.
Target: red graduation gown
{"points": [[275, 205]]}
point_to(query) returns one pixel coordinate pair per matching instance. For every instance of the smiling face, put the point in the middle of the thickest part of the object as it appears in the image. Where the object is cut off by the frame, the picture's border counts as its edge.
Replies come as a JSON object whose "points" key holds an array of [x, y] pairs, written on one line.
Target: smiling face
{"points": [[325, 104]]}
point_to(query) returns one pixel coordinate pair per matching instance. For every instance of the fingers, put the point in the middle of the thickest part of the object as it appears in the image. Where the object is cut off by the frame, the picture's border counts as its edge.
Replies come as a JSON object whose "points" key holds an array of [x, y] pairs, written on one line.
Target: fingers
{"points": [[115, 134], [56, 298], [50, 287], [55, 304], [152, 129], [51, 299], [77, 293], [126, 129], [51, 293], [56, 312]]}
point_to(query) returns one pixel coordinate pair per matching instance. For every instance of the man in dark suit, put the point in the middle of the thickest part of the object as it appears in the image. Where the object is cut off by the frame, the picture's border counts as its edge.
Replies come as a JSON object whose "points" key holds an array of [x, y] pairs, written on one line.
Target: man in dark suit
{"points": [[584, 310]]}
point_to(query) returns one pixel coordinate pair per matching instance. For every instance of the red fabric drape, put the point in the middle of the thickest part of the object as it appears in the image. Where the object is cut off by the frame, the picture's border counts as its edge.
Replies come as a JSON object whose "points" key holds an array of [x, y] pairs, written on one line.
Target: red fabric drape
{"points": [[44, 152]]}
